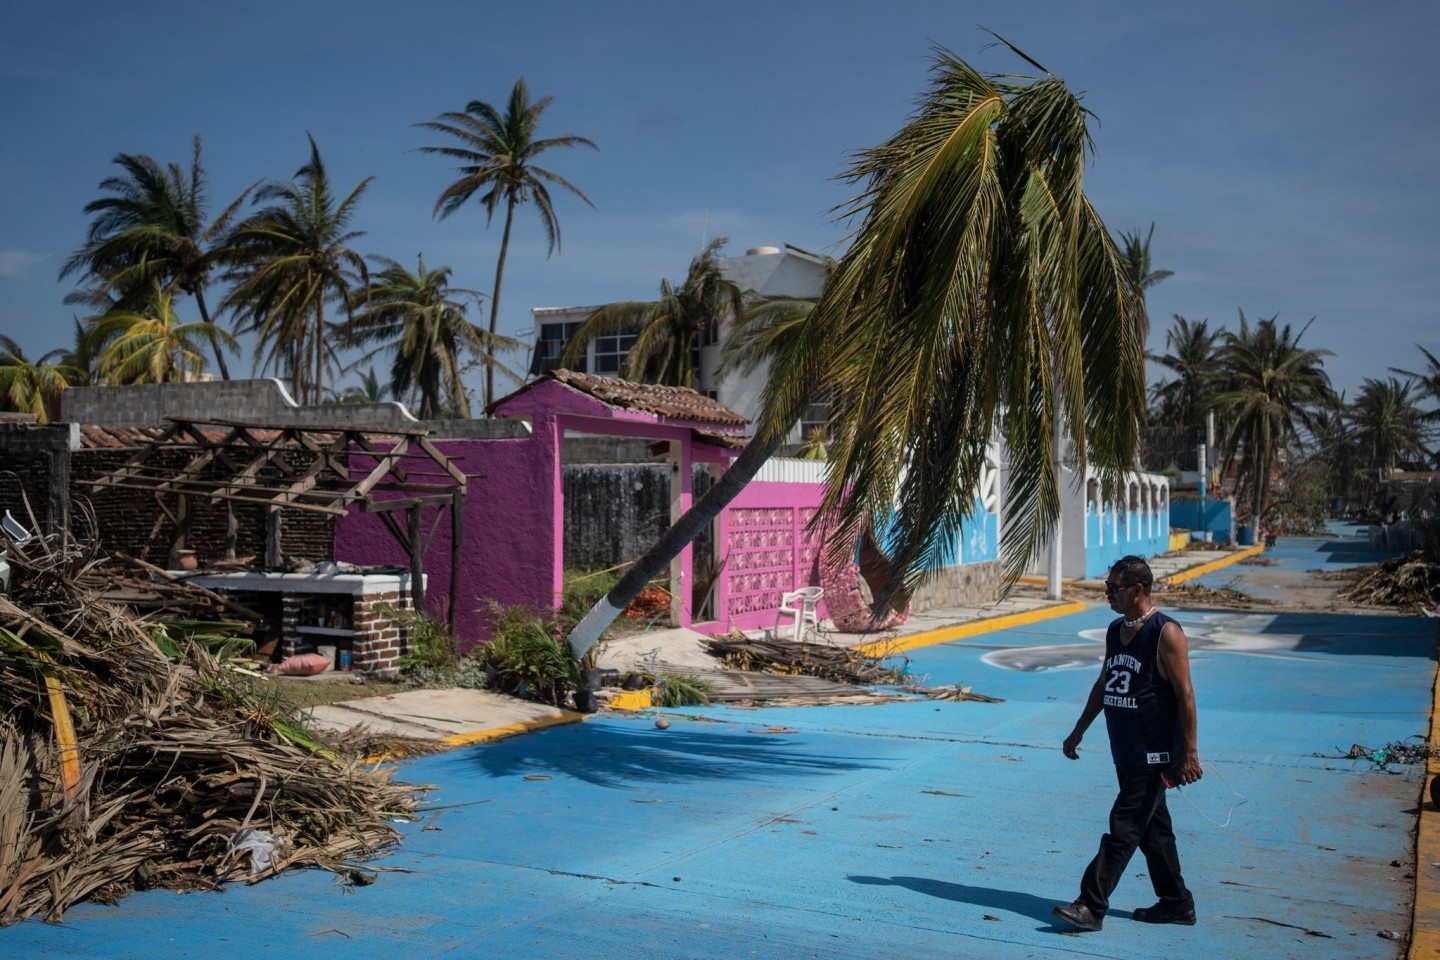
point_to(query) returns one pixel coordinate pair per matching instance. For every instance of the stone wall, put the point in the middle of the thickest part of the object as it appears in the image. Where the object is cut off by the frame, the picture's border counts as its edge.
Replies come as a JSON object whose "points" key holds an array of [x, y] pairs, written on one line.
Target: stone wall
{"points": [[961, 586]]}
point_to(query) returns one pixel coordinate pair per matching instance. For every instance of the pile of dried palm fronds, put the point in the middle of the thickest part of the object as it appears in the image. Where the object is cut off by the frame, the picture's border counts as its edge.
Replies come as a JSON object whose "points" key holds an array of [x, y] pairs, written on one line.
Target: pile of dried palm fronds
{"points": [[840, 664], [1409, 581], [133, 756], [1198, 595]]}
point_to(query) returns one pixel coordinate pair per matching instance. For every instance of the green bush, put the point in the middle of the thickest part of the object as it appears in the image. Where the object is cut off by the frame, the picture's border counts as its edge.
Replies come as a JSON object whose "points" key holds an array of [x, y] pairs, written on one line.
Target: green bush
{"points": [[429, 645], [527, 658], [682, 690]]}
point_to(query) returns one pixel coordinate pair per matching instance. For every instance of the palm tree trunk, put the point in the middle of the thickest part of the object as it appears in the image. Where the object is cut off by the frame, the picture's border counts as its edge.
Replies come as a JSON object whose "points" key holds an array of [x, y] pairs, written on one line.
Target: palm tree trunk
{"points": [[668, 547], [319, 349], [495, 303], [214, 341]]}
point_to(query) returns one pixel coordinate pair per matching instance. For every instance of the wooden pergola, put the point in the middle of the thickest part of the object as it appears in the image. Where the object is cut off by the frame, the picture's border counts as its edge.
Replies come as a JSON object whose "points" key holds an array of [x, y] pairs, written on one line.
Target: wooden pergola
{"points": [[301, 467]]}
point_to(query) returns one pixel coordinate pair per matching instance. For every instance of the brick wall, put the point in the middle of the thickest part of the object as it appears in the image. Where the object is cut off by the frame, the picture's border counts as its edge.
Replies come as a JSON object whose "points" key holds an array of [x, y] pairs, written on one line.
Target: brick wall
{"points": [[132, 521]]}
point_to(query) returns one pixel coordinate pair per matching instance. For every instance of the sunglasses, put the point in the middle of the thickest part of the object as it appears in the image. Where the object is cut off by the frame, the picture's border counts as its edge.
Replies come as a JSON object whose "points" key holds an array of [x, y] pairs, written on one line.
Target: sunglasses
{"points": [[1113, 588]]}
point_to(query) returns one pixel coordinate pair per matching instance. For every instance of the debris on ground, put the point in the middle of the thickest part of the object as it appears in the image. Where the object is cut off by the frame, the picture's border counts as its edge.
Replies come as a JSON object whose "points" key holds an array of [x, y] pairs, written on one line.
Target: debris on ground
{"points": [[957, 692], [1409, 581], [133, 756], [1411, 751], [1196, 595], [829, 662]]}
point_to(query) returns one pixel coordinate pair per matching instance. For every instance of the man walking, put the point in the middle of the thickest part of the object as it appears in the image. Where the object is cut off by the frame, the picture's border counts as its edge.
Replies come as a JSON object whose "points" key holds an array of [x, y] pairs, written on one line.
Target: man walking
{"points": [[1144, 689]]}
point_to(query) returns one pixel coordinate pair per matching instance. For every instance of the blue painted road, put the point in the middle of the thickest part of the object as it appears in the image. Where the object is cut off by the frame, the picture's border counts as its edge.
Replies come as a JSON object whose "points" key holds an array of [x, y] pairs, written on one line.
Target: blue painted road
{"points": [[919, 830]]}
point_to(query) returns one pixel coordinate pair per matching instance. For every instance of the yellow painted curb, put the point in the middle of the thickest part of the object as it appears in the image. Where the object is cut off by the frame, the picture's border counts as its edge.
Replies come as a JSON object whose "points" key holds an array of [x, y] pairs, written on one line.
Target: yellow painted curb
{"points": [[1214, 565], [480, 736], [510, 730], [971, 629], [1425, 918]]}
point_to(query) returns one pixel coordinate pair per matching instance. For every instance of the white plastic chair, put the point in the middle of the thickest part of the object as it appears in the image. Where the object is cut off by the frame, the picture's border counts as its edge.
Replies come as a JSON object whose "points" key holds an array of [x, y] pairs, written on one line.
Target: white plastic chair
{"points": [[799, 604], [14, 529]]}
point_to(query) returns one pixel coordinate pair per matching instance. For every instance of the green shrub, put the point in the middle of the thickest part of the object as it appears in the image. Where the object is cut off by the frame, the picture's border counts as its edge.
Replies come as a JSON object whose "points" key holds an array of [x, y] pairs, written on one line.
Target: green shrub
{"points": [[682, 690], [527, 658], [429, 645]]}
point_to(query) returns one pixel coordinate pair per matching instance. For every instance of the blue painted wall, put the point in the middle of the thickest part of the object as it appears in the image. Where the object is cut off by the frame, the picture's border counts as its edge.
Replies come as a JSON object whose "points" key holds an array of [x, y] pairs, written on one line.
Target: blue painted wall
{"points": [[1218, 517], [1099, 557]]}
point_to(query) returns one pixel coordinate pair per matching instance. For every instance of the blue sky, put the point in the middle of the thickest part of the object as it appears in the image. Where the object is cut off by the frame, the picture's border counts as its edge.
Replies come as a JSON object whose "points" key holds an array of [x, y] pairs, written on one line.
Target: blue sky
{"points": [[1285, 151]]}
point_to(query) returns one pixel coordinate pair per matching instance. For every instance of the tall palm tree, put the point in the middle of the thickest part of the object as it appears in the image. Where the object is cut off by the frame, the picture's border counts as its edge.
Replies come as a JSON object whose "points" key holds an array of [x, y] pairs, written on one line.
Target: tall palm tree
{"points": [[1190, 354], [1271, 386], [1136, 250], [370, 390], [497, 153], [1332, 444], [153, 226], [1387, 426], [287, 261], [981, 288], [420, 319], [84, 353], [667, 331], [153, 345], [33, 386]]}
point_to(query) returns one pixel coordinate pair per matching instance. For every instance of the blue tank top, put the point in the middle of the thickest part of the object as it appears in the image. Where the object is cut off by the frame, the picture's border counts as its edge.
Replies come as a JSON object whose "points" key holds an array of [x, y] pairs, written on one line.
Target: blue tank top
{"points": [[1140, 711]]}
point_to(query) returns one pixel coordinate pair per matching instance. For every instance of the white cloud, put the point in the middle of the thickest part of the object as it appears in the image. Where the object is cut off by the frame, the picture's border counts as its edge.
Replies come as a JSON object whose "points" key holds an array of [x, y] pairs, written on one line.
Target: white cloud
{"points": [[14, 263]]}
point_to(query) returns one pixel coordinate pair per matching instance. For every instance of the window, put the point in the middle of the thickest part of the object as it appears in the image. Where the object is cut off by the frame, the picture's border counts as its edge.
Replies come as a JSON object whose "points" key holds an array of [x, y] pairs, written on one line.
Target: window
{"points": [[817, 414], [553, 337], [608, 352]]}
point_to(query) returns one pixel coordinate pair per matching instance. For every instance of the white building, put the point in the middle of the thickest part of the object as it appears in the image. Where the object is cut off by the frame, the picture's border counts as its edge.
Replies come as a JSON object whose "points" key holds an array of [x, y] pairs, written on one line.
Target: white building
{"points": [[762, 272]]}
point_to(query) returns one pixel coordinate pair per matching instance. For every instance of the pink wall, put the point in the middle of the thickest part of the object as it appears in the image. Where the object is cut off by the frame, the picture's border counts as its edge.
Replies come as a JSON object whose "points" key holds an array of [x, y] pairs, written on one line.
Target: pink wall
{"points": [[508, 546], [766, 550], [513, 545]]}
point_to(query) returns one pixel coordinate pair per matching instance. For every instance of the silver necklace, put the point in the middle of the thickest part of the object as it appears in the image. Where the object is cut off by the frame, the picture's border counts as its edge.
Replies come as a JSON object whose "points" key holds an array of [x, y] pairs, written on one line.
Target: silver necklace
{"points": [[1132, 624]]}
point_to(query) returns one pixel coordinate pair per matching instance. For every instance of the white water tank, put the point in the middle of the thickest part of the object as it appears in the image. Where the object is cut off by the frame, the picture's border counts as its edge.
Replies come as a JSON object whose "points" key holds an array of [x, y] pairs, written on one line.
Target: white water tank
{"points": [[761, 251]]}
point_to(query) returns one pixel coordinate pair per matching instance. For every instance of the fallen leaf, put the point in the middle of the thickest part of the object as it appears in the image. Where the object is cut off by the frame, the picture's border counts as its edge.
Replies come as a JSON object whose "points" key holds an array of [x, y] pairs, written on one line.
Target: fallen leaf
{"points": [[537, 776], [990, 916]]}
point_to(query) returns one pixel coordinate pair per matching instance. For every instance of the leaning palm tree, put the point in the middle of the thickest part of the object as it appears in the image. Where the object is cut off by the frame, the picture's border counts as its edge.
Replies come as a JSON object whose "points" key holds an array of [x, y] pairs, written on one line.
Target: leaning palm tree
{"points": [[153, 226], [1270, 388], [497, 153], [981, 292], [1427, 380], [667, 331], [420, 320], [286, 262], [33, 386], [153, 345]]}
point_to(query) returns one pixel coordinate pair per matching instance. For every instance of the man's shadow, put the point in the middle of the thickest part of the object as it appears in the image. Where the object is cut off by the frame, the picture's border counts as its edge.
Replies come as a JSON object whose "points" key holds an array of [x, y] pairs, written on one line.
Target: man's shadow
{"points": [[1012, 901]]}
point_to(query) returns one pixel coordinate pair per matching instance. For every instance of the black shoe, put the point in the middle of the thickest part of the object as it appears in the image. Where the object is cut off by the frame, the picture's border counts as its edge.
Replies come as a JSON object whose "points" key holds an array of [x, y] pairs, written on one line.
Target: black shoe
{"points": [[1079, 916], [1165, 912]]}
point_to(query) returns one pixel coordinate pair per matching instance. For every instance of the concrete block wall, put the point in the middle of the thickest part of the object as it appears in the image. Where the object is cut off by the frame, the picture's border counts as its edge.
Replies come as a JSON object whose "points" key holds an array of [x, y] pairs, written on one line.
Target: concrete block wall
{"points": [[264, 400], [35, 471]]}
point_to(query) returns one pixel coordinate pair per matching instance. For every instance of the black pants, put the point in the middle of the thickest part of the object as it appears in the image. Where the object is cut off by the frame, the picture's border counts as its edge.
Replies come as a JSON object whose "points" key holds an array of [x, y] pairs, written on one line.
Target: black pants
{"points": [[1138, 818]]}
